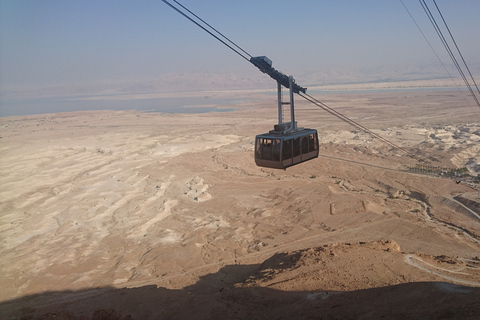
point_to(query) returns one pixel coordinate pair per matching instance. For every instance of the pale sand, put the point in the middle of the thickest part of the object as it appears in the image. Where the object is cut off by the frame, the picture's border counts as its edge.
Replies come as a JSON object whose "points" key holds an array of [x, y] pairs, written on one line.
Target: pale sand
{"points": [[127, 200]]}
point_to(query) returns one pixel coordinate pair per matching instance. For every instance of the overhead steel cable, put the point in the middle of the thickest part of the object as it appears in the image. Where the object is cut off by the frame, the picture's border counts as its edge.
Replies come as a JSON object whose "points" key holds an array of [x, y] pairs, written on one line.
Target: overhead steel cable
{"points": [[205, 29], [429, 44], [455, 43], [354, 123], [442, 38], [193, 14], [447, 47], [440, 34], [304, 95], [438, 57]]}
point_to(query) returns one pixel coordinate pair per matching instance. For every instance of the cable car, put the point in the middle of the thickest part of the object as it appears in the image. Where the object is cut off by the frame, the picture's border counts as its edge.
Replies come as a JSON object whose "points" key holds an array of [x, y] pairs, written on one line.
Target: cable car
{"points": [[286, 145], [279, 151]]}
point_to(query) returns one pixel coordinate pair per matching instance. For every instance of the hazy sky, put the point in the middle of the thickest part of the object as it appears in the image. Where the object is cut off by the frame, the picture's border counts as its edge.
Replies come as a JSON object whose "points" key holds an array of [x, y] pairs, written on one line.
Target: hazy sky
{"points": [[63, 42]]}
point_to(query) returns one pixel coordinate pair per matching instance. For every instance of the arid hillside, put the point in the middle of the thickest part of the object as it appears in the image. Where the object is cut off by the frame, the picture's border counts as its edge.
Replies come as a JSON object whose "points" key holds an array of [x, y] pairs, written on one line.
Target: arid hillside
{"points": [[130, 215]]}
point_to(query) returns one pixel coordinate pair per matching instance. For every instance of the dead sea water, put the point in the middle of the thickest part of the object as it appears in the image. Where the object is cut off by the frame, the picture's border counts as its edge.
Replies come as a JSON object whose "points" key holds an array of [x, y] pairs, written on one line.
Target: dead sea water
{"points": [[21, 107]]}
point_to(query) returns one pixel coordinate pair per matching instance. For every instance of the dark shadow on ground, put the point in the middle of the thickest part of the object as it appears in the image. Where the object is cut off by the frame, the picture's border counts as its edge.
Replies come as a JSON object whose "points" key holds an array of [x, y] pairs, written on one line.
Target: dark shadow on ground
{"points": [[215, 296]]}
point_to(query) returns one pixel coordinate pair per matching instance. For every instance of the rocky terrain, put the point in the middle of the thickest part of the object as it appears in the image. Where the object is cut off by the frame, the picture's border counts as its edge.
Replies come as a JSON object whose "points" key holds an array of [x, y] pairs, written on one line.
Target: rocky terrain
{"points": [[129, 215]]}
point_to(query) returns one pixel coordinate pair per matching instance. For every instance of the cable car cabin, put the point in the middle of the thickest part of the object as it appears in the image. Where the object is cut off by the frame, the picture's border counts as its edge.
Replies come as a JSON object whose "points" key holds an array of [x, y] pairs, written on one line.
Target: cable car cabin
{"points": [[279, 150]]}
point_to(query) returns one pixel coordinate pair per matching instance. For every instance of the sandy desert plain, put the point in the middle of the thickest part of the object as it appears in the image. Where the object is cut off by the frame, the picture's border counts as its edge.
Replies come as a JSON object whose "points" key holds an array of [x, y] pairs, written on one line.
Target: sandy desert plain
{"points": [[131, 215]]}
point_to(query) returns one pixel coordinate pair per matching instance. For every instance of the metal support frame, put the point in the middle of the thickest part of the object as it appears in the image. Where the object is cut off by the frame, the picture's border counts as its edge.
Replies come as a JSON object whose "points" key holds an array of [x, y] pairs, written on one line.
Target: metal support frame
{"points": [[280, 111], [292, 111], [282, 126]]}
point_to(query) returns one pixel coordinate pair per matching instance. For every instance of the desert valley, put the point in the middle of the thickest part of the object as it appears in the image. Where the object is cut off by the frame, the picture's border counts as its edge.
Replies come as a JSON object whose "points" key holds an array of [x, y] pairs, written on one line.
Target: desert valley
{"points": [[136, 215]]}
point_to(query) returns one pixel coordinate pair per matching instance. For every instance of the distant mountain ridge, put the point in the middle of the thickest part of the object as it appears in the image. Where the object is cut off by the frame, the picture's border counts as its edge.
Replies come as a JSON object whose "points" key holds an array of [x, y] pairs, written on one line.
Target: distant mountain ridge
{"points": [[249, 79]]}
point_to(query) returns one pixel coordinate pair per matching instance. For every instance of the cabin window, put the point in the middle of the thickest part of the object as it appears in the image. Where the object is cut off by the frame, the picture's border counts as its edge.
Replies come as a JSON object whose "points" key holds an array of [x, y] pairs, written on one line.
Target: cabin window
{"points": [[276, 148], [287, 149], [268, 149], [258, 147], [312, 142], [305, 144], [296, 147]]}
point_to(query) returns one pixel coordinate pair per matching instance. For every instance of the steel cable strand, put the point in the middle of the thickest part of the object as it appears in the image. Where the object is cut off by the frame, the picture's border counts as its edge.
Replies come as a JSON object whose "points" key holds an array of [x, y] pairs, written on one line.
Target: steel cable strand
{"points": [[455, 43], [354, 123], [212, 28], [205, 29], [447, 47], [438, 57]]}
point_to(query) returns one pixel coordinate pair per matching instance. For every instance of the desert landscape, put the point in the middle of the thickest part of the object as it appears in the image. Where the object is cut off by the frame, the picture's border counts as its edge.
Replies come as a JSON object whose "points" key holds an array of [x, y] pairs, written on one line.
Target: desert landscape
{"points": [[148, 215]]}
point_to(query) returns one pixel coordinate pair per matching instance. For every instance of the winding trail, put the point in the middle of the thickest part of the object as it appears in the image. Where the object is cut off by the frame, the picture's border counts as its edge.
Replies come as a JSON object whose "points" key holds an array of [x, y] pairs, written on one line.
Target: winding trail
{"points": [[415, 261]]}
